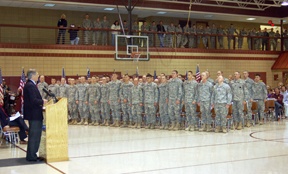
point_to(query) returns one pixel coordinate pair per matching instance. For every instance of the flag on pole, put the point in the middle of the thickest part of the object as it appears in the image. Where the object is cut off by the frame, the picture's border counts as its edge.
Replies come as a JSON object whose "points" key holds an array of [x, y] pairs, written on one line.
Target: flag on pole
{"points": [[198, 75], [186, 78], [155, 75], [1, 89], [21, 86], [137, 73], [63, 73], [88, 73]]}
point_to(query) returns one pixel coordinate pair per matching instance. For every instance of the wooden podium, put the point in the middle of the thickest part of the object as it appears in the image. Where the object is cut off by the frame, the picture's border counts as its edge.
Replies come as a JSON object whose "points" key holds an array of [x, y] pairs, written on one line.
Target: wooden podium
{"points": [[54, 141]]}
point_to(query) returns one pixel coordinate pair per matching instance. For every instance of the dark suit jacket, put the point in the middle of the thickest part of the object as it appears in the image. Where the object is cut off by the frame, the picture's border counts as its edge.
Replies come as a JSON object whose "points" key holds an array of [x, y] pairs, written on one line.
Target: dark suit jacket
{"points": [[33, 102], [3, 117]]}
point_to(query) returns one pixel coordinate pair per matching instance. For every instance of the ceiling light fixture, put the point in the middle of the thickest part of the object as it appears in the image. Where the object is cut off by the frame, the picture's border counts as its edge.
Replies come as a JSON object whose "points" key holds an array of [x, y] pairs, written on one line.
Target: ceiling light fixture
{"points": [[109, 9], [161, 12], [49, 5], [251, 19], [284, 3]]}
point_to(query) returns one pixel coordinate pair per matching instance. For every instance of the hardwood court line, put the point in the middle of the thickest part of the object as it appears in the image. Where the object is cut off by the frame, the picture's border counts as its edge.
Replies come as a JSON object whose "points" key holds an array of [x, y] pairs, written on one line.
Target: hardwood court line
{"points": [[58, 170], [204, 164], [264, 139], [167, 149]]}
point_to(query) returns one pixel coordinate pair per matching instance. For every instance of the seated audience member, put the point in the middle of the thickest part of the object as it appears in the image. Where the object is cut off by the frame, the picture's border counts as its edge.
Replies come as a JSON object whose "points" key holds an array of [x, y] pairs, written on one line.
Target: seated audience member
{"points": [[283, 90], [74, 39], [19, 122], [270, 93], [278, 98], [285, 101]]}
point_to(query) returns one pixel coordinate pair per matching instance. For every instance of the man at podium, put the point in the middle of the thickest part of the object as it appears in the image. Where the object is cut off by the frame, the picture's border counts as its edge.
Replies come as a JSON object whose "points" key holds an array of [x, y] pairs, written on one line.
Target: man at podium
{"points": [[33, 104]]}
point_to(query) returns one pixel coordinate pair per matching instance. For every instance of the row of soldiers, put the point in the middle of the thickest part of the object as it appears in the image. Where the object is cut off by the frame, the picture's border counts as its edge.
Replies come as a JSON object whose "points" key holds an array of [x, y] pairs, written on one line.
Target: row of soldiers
{"points": [[134, 98]]}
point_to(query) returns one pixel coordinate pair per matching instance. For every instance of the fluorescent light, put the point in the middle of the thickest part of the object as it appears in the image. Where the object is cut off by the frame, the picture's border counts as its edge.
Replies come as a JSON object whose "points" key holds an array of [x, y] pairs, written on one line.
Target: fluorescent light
{"points": [[284, 3], [108, 9], [49, 5], [250, 19], [161, 12]]}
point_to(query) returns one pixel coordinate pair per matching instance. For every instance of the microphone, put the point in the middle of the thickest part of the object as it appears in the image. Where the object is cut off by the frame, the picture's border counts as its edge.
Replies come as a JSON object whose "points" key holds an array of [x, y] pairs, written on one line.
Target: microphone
{"points": [[50, 94]]}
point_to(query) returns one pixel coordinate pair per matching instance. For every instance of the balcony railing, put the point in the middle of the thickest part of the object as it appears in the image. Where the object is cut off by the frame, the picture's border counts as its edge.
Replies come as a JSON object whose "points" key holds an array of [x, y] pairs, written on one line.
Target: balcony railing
{"points": [[10, 33]]}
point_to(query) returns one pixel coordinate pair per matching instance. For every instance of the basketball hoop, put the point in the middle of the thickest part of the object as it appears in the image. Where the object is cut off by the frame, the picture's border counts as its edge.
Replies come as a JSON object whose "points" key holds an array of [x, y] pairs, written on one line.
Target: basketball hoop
{"points": [[135, 56]]}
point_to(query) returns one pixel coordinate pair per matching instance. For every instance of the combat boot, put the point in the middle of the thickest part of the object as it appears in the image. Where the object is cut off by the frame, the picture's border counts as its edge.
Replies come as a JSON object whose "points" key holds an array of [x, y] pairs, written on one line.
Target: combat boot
{"points": [[188, 128], [162, 127], [107, 123], [196, 128], [148, 126], [172, 125], [135, 126], [96, 123], [92, 123], [248, 124], [113, 124], [239, 126], [104, 122], [130, 124], [166, 127], [224, 130], [152, 126], [139, 126], [117, 123], [124, 124], [208, 128], [86, 121], [217, 129], [261, 121], [177, 127], [81, 122], [202, 128]]}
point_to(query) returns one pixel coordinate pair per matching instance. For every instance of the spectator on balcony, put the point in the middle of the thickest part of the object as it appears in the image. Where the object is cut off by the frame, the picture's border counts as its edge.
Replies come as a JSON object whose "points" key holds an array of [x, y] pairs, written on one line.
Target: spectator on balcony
{"points": [[115, 26], [277, 37], [179, 33], [73, 31], [152, 28], [87, 25], [105, 26], [192, 36], [213, 37], [185, 37], [144, 29], [96, 33], [230, 32], [221, 33], [207, 33], [161, 30], [265, 39], [285, 36], [170, 34], [135, 29], [62, 24], [259, 35], [242, 34], [252, 41], [272, 39]]}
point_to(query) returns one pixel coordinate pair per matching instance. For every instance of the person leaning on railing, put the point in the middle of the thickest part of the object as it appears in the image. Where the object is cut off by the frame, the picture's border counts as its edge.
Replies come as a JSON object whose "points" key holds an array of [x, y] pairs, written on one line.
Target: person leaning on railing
{"points": [[62, 23], [73, 31]]}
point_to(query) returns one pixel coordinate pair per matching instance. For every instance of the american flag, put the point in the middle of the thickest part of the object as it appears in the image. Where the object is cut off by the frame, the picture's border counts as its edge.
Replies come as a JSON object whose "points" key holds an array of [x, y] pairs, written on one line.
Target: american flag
{"points": [[1, 88], [198, 75], [21, 86], [63, 73], [88, 73]]}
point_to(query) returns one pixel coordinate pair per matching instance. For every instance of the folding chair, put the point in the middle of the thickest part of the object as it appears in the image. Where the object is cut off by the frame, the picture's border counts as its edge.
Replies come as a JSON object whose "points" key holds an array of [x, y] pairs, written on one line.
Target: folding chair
{"points": [[229, 118], [254, 109]]}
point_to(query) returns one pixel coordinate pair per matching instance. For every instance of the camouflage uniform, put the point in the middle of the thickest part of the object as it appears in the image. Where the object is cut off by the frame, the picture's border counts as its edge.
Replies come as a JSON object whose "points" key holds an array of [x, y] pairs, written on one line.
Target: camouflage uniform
{"points": [[211, 81], [163, 106], [114, 97], [272, 40], [189, 96], [63, 91], [96, 33], [213, 38], [92, 95], [170, 30], [105, 110], [135, 29], [87, 23], [249, 82], [125, 90], [220, 32], [54, 89], [230, 33], [179, 32], [207, 32], [40, 88], [192, 37], [259, 40], [152, 28], [135, 98], [204, 94], [81, 97], [72, 106], [259, 94], [240, 38], [144, 29], [220, 98], [105, 25], [150, 92], [175, 93], [240, 94], [186, 32]]}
